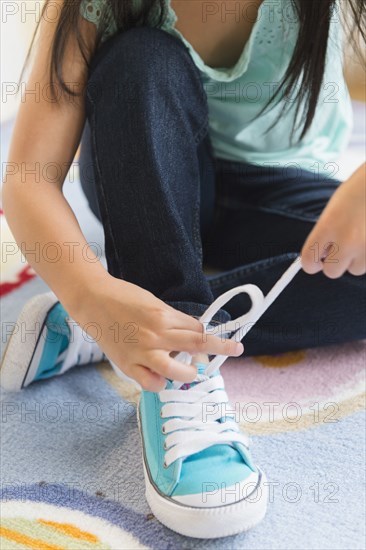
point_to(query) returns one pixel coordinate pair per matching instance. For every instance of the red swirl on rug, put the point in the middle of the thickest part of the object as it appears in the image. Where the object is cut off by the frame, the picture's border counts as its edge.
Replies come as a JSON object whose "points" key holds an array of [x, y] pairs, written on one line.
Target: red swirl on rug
{"points": [[15, 271]]}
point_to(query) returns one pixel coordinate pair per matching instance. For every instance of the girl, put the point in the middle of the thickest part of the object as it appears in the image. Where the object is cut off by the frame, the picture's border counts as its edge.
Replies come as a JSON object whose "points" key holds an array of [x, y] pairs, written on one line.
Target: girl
{"points": [[213, 130]]}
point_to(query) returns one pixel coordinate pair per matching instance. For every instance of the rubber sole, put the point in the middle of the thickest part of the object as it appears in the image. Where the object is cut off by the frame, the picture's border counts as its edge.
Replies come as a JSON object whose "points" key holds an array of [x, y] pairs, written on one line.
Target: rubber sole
{"points": [[207, 523], [24, 343]]}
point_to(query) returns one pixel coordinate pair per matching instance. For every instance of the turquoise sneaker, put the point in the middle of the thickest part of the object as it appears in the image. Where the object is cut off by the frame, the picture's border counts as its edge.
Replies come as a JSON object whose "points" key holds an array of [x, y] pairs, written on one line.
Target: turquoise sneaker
{"points": [[201, 480], [44, 343]]}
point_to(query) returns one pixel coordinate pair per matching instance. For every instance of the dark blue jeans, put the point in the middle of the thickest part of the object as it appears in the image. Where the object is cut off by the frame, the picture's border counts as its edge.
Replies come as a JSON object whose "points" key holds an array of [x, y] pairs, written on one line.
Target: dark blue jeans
{"points": [[168, 207]]}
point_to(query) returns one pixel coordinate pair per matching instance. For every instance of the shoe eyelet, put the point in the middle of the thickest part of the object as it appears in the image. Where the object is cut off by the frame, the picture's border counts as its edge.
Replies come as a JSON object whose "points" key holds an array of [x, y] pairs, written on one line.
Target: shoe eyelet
{"points": [[164, 446], [161, 413], [165, 465], [163, 430]]}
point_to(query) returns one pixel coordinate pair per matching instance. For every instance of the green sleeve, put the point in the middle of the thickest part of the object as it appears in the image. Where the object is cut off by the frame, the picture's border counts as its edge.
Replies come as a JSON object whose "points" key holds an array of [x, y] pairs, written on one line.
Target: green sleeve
{"points": [[93, 11]]}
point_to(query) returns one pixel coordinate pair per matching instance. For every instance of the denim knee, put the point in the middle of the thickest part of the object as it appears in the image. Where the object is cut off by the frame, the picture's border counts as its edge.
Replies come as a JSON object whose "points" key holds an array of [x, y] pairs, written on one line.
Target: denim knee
{"points": [[146, 71], [139, 56]]}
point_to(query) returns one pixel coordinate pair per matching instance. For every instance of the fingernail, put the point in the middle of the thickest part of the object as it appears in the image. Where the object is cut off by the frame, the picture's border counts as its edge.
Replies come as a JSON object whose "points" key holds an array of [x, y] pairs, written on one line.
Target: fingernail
{"points": [[239, 348]]}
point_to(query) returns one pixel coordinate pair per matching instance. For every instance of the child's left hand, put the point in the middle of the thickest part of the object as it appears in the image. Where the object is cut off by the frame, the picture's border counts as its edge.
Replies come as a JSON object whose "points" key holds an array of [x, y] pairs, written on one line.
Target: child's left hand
{"points": [[340, 232]]}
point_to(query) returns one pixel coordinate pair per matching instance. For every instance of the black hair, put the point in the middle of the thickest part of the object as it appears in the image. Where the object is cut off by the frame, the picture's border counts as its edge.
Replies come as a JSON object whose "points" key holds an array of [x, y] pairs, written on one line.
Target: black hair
{"points": [[307, 65]]}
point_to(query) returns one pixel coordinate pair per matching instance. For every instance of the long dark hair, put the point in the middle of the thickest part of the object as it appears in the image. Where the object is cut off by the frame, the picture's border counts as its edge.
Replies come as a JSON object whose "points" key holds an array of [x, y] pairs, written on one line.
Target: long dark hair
{"points": [[307, 64]]}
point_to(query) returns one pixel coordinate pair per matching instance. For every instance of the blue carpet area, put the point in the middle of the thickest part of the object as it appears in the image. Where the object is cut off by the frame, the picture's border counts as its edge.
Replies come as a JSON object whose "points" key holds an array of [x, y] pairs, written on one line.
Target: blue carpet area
{"points": [[76, 444], [70, 453]]}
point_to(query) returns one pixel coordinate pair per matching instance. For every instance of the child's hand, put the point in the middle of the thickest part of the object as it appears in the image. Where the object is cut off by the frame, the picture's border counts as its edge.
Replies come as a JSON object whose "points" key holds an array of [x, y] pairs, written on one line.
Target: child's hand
{"points": [[137, 331], [340, 232]]}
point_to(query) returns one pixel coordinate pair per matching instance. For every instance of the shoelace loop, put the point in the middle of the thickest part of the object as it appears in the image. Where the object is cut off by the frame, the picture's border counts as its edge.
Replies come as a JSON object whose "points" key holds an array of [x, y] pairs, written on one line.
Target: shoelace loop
{"points": [[186, 431], [241, 326]]}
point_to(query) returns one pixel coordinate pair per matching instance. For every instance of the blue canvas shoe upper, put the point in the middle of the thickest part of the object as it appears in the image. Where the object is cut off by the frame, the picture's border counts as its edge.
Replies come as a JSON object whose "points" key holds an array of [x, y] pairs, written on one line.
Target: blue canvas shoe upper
{"points": [[217, 464], [56, 341], [63, 348]]}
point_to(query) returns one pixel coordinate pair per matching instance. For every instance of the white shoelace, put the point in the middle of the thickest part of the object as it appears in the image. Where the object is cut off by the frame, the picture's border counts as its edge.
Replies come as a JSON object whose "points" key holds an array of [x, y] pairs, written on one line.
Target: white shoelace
{"points": [[197, 417]]}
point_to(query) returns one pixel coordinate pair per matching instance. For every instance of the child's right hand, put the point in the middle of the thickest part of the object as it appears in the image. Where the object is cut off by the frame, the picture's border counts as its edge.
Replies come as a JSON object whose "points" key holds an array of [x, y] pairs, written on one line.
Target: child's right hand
{"points": [[138, 332]]}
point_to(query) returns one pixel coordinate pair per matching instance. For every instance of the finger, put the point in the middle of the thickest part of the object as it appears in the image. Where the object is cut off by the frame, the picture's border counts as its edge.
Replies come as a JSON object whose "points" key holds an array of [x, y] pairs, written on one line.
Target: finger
{"points": [[200, 358], [180, 320], [170, 368], [334, 270], [194, 343], [357, 266], [335, 265], [309, 256], [148, 380], [317, 246]]}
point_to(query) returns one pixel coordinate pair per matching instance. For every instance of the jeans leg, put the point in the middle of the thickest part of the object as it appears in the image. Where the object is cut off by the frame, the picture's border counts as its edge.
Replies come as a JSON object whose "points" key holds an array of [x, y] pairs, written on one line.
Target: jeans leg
{"points": [[262, 220], [148, 118]]}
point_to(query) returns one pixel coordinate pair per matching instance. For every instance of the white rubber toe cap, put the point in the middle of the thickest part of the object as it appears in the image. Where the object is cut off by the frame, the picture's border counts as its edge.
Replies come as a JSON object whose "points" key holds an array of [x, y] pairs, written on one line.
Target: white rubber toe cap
{"points": [[214, 494]]}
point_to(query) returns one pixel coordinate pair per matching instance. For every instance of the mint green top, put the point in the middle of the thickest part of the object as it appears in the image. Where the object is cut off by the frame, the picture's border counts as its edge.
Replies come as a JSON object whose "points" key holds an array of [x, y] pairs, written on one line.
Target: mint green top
{"points": [[237, 94]]}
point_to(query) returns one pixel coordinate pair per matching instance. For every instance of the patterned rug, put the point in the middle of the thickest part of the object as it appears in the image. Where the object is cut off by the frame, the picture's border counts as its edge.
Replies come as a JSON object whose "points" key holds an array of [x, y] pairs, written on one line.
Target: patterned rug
{"points": [[71, 470], [71, 473]]}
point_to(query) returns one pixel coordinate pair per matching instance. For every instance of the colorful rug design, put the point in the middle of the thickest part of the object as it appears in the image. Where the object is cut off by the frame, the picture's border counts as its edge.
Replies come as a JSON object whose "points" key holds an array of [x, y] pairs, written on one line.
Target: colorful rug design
{"points": [[14, 269], [72, 477], [71, 470], [25, 525], [289, 391]]}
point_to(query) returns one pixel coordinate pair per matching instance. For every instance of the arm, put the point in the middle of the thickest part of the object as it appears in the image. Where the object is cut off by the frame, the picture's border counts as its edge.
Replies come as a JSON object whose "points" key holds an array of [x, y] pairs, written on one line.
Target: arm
{"points": [[38, 214], [48, 133]]}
